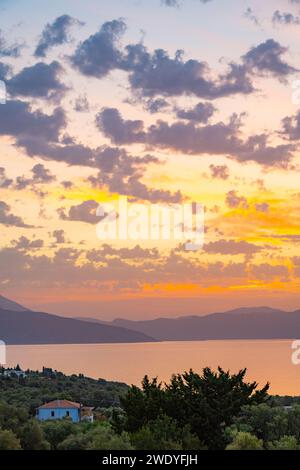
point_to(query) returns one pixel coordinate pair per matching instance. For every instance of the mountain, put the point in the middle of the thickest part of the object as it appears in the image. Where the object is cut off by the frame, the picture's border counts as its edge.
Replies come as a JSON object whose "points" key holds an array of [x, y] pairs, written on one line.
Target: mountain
{"points": [[245, 323], [27, 327], [7, 304]]}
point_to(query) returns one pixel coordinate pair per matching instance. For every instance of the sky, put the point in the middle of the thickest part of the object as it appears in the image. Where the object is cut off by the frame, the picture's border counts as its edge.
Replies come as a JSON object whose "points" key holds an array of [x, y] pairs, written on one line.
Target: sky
{"points": [[164, 102]]}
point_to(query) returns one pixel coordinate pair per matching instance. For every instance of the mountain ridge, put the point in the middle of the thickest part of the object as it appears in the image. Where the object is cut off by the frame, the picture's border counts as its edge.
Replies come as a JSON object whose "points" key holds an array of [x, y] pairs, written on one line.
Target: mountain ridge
{"points": [[28, 327]]}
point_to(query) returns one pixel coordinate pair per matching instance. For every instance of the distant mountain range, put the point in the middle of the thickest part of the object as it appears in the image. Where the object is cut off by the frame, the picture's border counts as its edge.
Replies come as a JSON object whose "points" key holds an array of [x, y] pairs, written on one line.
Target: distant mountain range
{"points": [[7, 304], [243, 323], [240, 323], [21, 326]]}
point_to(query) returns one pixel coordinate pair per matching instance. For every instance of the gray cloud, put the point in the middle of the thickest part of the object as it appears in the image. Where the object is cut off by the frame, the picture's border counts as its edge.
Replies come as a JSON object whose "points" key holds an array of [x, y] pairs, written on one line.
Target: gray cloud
{"points": [[40, 175], [202, 112], [81, 104], [38, 81], [9, 219], [59, 236], [84, 212], [9, 50], [100, 53], [285, 18], [152, 74], [177, 3], [291, 127], [250, 15], [232, 247], [18, 120], [5, 182], [234, 201], [5, 70], [23, 243], [219, 171], [215, 139], [266, 58], [156, 105], [55, 33], [120, 131], [262, 207]]}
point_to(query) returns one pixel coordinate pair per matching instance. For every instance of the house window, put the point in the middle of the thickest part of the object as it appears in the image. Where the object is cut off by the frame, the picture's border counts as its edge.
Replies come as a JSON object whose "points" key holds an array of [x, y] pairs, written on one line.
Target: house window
{"points": [[52, 414], [68, 413]]}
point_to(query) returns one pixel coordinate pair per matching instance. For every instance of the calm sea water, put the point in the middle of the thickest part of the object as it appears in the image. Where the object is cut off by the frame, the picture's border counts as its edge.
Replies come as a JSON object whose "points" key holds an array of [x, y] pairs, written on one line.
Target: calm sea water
{"points": [[265, 360]]}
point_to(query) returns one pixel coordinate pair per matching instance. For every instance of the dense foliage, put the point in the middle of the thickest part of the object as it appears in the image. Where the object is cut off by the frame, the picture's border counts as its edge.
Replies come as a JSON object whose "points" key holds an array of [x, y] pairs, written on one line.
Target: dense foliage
{"points": [[206, 403], [215, 410], [40, 387]]}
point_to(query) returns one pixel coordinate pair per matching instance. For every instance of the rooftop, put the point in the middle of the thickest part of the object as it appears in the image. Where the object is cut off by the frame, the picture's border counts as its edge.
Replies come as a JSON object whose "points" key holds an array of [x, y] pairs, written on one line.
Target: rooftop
{"points": [[60, 404]]}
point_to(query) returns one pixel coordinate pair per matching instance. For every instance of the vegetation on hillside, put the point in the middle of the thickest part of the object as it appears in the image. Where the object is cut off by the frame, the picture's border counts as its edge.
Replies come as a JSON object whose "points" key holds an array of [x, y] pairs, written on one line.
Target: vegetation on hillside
{"points": [[214, 410]]}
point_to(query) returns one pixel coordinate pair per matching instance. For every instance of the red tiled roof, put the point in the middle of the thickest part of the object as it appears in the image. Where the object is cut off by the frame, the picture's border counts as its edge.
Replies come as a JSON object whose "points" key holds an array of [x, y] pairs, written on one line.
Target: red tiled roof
{"points": [[60, 404]]}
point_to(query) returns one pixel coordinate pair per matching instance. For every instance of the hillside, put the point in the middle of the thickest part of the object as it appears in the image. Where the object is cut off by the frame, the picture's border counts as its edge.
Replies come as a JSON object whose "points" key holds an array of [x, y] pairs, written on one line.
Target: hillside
{"points": [[27, 327], [245, 323], [8, 304]]}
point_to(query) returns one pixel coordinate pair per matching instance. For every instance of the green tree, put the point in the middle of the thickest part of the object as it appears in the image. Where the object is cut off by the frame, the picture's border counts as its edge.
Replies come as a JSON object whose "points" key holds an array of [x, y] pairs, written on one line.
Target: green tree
{"points": [[9, 441], [12, 417], [285, 443], [245, 441], [103, 437], [78, 441], [293, 418], [164, 434], [56, 432], [206, 403], [32, 437], [266, 422]]}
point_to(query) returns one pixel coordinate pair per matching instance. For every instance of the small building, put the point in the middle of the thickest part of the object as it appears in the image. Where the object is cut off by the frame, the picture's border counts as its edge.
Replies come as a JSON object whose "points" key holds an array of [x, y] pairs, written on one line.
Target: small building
{"points": [[59, 409], [14, 373]]}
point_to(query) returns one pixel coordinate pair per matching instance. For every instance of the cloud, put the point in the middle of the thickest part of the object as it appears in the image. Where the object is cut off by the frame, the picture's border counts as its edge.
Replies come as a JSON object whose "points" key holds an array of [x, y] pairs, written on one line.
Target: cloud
{"points": [[84, 212], [285, 18], [137, 252], [250, 15], [118, 182], [18, 120], [59, 236], [266, 58], [55, 34], [231, 247], [160, 74], [120, 131], [23, 243], [81, 104], [39, 135], [40, 175], [9, 50], [38, 81], [268, 272], [262, 207], [156, 105], [100, 53], [202, 112], [234, 201], [5, 182], [291, 127], [9, 219], [177, 3], [189, 138], [5, 70], [155, 73], [219, 171]]}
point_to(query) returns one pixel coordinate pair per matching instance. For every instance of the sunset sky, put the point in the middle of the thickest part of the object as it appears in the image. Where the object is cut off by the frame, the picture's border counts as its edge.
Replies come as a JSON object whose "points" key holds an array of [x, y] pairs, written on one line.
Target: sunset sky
{"points": [[163, 102]]}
